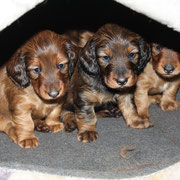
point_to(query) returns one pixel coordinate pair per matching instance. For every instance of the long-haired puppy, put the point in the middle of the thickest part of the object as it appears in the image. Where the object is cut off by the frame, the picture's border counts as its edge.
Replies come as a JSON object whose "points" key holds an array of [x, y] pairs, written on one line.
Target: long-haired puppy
{"points": [[33, 86], [106, 71], [159, 82], [79, 38]]}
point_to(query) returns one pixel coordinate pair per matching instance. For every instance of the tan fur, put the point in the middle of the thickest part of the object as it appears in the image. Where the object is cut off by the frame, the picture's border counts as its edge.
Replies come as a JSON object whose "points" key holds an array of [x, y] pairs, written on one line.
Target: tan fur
{"points": [[157, 87], [27, 96]]}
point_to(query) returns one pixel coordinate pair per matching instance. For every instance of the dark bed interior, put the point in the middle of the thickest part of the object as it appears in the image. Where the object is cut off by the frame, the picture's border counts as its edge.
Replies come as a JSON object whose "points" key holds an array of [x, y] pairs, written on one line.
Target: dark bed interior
{"points": [[63, 15]]}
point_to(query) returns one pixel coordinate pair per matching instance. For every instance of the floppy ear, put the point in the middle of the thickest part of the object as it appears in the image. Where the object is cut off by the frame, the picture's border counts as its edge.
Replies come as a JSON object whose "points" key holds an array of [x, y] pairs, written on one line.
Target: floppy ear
{"points": [[16, 69], [72, 52], [145, 55], [88, 59]]}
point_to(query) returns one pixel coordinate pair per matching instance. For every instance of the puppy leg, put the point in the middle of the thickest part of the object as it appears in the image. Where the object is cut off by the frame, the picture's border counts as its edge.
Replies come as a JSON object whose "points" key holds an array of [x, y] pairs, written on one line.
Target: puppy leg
{"points": [[69, 120], [142, 102], [24, 128], [168, 102], [129, 113], [8, 127], [53, 120], [86, 123]]}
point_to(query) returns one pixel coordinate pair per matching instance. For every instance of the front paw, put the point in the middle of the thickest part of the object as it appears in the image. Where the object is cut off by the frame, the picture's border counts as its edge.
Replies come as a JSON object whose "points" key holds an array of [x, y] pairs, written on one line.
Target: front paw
{"points": [[144, 115], [28, 143], [141, 123], [87, 136], [115, 112], [70, 125], [56, 127], [169, 105], [42, 127]]}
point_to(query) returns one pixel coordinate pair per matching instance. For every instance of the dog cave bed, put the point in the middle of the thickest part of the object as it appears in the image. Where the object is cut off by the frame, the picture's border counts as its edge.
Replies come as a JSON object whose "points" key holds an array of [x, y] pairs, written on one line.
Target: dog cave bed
{"points": [[156, 151]]}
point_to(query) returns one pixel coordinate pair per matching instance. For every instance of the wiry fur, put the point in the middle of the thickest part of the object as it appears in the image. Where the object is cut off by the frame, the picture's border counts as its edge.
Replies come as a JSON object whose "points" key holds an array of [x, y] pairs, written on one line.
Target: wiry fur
{"points": [[105, 73]]}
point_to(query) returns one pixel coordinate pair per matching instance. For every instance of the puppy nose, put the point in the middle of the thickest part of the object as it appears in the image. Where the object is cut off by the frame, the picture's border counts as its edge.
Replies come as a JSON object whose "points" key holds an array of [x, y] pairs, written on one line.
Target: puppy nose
{"points": [[122, 81], [53, 93], [168, 69]]}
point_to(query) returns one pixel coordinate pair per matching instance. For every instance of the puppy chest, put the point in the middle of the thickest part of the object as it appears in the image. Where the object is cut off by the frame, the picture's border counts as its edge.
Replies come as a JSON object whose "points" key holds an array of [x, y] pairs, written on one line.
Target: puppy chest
{"points": [[159, 88], [41, 111], [100, 98]]}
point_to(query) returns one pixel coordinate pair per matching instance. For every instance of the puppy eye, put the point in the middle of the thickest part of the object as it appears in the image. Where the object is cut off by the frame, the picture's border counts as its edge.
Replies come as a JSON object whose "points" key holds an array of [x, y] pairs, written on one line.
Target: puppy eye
{"points": [[107, 58], [36, 70], [60, 66], [131, 55], [158, 47]]}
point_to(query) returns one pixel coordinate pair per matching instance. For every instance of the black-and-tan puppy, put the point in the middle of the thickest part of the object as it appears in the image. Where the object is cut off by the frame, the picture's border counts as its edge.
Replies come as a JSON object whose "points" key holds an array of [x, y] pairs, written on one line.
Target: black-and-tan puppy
{"points": [[106, 71]]}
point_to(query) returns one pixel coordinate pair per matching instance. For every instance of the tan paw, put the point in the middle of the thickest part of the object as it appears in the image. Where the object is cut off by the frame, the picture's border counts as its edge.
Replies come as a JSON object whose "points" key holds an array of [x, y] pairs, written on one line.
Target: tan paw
{"points": [[70, 125], [169, 105], [87, 136], [56, 127], [28, 143], [141, 124], [155, 99]]}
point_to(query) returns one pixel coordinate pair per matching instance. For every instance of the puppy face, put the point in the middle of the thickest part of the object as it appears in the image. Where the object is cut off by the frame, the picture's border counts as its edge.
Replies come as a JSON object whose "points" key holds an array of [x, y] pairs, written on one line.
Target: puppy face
{"points": [[166, 62], [46, 61], [117, 54]]}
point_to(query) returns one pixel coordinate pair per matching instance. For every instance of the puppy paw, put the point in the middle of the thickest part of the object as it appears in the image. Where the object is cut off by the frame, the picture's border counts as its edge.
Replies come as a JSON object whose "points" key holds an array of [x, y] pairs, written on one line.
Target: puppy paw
{"points": [[42, 127], [114, 112], [169, 105], [70, 125], [56, 127], [155, 99], [28, 143], [141, 124], [12, 135], [87, 136]]}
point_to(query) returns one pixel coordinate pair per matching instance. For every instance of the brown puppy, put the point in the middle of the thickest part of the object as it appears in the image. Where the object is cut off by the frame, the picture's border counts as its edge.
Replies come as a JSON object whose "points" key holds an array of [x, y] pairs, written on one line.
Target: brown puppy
{"points": [[105, 72], [159, 82], [33, 86]]}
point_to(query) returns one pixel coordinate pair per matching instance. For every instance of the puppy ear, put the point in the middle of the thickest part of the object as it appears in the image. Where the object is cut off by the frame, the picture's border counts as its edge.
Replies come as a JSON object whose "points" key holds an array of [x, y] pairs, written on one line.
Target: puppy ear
{"points": [[156, 49], [145, 54], [88, 59], [16, 69], [72, 52]]}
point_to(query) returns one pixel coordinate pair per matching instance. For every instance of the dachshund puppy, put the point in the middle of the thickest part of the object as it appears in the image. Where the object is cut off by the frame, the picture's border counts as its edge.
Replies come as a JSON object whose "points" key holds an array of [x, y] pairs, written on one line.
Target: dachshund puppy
{"points": [[159, 82], [33, 86], [106, 71], [79, 38]]}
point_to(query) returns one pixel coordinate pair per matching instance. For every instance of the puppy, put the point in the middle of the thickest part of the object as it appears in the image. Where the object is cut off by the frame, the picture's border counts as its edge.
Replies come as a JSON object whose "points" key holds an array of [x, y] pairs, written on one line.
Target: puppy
{"points": [[159, 82], [106, 71], [79, 38], [33, 87]]}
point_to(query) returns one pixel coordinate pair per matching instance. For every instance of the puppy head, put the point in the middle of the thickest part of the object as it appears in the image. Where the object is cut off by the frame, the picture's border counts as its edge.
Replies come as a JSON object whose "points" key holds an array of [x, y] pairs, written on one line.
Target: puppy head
{"points": [[166, 62], [45, 61], [117, 54]]}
